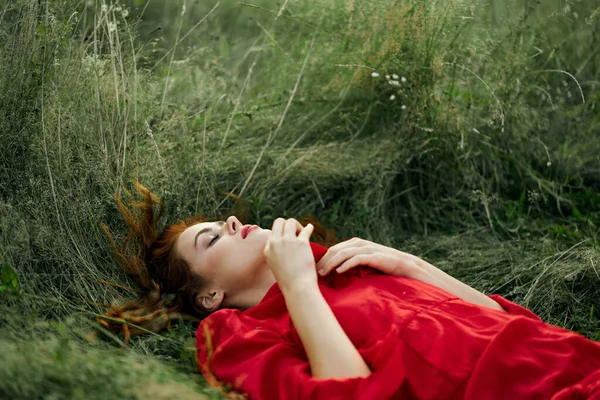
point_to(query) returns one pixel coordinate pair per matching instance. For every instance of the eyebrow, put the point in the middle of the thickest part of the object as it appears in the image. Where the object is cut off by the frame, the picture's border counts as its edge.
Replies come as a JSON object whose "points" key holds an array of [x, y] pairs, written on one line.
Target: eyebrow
{"points": [[201, 231]]}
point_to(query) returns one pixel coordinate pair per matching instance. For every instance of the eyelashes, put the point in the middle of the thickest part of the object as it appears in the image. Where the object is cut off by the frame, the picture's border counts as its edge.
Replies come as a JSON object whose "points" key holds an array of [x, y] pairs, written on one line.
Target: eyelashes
{"points": [[217, 236], [214, 239]]}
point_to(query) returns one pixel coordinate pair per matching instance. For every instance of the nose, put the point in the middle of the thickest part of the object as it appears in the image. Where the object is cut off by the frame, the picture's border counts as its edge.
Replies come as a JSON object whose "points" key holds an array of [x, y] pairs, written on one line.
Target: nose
{"points": [[233, 225]]}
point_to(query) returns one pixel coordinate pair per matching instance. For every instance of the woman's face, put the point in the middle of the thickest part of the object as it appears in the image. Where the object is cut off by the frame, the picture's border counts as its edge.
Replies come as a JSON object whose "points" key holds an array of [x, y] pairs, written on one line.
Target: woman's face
{"points": [[217, 252]]}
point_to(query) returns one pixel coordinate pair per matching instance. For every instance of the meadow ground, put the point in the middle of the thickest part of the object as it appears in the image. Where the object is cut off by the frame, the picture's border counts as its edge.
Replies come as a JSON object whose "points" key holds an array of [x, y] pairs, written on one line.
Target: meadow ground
{"points": [[465, 132]]}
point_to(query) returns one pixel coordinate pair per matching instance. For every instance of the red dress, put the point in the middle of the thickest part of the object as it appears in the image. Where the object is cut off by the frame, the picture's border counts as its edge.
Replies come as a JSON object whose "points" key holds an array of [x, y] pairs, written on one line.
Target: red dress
{"points": [[419, 341]]}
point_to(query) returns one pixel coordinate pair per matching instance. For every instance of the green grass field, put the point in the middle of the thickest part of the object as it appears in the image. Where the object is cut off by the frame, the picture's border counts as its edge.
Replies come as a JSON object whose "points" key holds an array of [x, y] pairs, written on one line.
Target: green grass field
{"points": [[465, 132]]}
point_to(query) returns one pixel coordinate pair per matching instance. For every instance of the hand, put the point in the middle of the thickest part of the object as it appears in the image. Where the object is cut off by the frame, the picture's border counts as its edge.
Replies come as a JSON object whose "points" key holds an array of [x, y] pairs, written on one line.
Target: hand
{"points": [[354, 252], [289, 256]]}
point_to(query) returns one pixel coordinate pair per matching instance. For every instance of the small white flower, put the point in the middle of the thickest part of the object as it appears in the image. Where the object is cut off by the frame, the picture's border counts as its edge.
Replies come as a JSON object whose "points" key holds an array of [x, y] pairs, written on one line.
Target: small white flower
{"points": [[395, 76], [393, 97], [92, 62], [394, 83], [375, 74], [403, 107], [403, 79], [148, 130], [103, 8], [112, 27], [387, 77], [125, 13], [548, 164]]}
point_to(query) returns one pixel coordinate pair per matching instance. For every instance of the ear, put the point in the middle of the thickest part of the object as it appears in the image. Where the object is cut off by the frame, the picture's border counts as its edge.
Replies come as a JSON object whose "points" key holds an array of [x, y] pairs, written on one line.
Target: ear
{"points": [[211, 299]]}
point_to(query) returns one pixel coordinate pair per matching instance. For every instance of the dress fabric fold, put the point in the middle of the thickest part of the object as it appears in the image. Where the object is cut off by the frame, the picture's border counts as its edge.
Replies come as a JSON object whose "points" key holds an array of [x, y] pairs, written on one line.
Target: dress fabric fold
{"points": [[419, 341]]}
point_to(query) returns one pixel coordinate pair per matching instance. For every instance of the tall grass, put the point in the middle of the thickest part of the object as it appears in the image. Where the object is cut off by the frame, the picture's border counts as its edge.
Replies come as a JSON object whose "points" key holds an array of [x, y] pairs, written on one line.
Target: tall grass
{"points": [[479, 152]]}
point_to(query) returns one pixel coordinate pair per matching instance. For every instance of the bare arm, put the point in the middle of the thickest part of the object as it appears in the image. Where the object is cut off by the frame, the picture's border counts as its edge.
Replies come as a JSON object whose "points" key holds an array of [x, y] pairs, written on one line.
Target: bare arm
{"points": [[435, 276], [330, 352], [354, 252]]}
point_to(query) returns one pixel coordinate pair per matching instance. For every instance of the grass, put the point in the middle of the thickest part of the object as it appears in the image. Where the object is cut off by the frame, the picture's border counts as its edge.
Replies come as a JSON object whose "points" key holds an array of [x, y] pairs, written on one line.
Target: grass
{"points": [[485, 161]]}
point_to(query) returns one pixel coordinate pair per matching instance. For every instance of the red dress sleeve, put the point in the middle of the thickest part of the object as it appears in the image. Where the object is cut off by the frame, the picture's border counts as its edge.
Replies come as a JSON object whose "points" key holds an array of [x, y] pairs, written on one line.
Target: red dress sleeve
{"points": [[513, 308], [257, 352], [266, 365], [418, 340]]}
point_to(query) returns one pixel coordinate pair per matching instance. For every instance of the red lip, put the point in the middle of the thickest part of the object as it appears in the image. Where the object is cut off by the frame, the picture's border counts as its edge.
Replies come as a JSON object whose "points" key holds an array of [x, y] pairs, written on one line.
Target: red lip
{"points": [[246, 230]]}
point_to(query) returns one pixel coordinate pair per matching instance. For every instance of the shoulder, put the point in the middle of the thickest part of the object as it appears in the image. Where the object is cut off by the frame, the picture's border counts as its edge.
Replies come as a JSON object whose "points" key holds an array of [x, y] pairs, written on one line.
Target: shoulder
{"points": [[216, 324], [232, 324]]}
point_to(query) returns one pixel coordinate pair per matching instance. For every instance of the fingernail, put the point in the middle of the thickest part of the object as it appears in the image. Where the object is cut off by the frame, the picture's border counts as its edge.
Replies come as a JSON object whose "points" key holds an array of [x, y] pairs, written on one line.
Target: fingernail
{"points": [[321, 272]]}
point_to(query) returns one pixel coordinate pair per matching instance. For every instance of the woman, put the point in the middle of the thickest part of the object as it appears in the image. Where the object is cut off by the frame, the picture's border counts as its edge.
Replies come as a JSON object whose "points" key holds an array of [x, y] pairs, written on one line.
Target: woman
{"points": [[384, 324]]}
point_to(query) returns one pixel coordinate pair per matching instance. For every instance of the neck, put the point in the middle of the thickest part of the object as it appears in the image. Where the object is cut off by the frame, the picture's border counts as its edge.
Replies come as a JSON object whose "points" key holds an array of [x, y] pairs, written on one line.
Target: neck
{"points": [[253, 294]]}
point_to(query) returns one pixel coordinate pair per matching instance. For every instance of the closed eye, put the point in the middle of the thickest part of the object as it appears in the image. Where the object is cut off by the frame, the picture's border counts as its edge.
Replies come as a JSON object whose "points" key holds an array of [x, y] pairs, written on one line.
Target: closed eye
{"points": [[214, 239]]}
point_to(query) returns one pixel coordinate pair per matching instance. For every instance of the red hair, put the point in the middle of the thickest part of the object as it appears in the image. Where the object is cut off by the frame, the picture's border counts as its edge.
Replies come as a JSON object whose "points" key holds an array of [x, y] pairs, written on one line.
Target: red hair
{"points": [[169, 287]]}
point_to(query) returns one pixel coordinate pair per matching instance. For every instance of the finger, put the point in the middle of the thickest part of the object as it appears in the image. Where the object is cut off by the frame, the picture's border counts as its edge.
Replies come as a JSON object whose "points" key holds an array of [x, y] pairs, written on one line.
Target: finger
{"points": [[277, 229], [350, 263], [342, 255], [378, 261], [306, 232], [336, 259], [335, 249], [331, 252], [292, 227]]}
